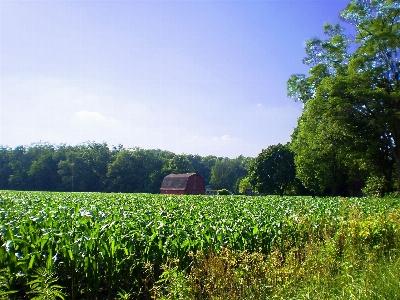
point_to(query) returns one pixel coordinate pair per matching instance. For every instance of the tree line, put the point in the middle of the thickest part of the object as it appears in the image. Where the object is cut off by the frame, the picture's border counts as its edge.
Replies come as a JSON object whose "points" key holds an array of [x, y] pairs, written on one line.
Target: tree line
{"points": [[95, 167]]}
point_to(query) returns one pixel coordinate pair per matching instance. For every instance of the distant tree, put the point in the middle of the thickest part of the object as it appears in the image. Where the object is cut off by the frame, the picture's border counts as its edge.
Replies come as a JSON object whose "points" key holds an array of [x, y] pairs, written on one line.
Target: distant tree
{"points": [[138, 170], [98, 157], [273, 170], [121, 172], [33, 168], [207, 163], [156, 164], [75, 173], [244, 185], [5, 167], [226, 173], [20, 164], [84, 167], [43, 170], [180, 163], [200, 166]]}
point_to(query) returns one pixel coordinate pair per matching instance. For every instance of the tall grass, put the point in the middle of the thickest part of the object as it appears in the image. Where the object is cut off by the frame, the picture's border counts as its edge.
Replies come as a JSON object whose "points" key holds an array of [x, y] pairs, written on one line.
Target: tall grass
{"points": [[358, 259]]}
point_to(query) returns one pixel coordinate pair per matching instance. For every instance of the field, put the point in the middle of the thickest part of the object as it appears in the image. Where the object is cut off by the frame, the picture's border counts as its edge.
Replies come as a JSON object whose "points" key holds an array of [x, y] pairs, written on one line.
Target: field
{"points": [[131, 246]]}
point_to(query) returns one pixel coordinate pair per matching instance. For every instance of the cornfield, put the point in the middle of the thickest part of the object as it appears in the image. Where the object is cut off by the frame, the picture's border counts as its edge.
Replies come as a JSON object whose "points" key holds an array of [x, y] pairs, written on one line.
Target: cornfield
{"points": [[99, 244]]}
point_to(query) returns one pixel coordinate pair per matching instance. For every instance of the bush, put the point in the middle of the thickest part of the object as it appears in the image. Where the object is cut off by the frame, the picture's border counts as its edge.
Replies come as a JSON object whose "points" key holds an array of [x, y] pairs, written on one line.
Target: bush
{"points": [[223, 192], [375, 186]]}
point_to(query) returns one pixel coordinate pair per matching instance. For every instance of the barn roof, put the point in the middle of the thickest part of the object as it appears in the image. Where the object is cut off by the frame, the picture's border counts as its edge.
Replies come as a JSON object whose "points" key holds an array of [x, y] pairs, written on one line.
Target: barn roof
{"points": [[176, 181]]}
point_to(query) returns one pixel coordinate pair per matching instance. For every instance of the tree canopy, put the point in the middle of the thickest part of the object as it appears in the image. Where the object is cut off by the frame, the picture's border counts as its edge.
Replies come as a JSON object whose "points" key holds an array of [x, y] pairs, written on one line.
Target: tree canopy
{"points": [[95, 167], [350, 126], [273, 170]]}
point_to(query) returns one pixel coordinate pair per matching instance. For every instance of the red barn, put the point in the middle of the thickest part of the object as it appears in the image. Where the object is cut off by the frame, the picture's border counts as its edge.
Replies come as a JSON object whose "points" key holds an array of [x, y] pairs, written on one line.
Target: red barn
{"points": [[188, 183]]}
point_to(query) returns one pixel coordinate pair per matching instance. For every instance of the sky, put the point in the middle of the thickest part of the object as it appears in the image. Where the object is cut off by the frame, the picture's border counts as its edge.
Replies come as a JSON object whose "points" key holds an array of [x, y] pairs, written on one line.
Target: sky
{"points": [[204, 77]]}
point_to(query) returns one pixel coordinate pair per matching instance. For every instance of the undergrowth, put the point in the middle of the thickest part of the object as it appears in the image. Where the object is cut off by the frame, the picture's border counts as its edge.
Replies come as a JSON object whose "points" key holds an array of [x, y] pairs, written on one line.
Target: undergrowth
{"points": [[358, 260]]}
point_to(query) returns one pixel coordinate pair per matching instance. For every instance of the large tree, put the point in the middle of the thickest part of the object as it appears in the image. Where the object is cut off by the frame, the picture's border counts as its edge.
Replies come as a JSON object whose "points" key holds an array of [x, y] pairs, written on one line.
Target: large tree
{"points": [[273, 170], [350, 124]]}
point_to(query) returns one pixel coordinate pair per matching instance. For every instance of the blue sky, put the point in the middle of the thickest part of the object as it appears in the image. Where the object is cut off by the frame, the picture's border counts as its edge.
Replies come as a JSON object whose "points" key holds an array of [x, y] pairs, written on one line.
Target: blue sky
{"points": [[195, 77]]}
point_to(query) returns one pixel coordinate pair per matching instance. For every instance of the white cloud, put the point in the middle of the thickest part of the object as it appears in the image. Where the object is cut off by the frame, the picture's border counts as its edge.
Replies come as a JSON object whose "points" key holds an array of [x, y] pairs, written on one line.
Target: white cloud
{"points": [[85, 119], [226, 139], [222, 140]]}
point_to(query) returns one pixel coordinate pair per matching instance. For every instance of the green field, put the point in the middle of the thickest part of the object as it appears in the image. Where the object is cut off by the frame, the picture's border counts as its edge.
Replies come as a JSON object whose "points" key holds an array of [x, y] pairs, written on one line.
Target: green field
{"points": [[96, 245]]}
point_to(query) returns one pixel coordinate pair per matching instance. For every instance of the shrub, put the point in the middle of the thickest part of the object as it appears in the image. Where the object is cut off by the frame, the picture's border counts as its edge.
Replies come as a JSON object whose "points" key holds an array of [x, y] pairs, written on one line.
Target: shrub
{"points": [[223, 192]]}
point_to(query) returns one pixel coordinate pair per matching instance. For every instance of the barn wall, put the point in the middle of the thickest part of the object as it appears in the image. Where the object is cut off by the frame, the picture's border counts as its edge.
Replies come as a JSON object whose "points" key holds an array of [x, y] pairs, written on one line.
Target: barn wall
{"points": [[183, 184], [195, 185]]}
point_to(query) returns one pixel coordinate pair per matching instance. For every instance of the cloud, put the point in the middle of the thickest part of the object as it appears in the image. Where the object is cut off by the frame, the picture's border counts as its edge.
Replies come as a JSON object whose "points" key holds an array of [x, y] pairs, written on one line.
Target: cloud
{"points": [[213, 140], [85, 119], [226, 139]]}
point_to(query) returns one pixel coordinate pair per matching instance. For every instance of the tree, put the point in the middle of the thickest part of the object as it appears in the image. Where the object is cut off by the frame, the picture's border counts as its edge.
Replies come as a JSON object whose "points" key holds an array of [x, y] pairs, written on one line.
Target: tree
{"points": [[180, 163], [20, 164], [138, 170], [84, 167], [226, 173], [5, 168], [43, 171], [75, 173], [208, 163], [121, 172], [244, 185], [350, 126], [272, 170]]}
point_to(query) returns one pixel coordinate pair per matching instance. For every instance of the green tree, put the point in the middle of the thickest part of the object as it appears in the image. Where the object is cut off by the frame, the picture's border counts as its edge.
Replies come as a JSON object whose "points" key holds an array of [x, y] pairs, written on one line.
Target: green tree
{"points": [[227, 173], [84, 167], [43, 172], [5, 168], [202, 165], [180, 163], [20, 164], [75, 173], [350, 126], [121, 172], [244, 185], [137, 170], [207, 163], [273, 170]]}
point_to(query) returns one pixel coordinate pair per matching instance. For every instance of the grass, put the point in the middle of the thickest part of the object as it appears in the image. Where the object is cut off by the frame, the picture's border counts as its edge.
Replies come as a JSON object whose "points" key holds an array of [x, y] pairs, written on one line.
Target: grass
{"points": [[233, 275]]}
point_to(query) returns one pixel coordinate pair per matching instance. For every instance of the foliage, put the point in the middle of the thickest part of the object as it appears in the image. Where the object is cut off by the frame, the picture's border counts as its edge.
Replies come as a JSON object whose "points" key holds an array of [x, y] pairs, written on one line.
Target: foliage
{"points": [[94, 167], [44, 287], [356, 258], [226, 173], [272, 170], [244, 185], [98, 243], [5, 286], [5, 167], [180, 163], [349, 128], [173, 283], [223, 192], [375, 186]]}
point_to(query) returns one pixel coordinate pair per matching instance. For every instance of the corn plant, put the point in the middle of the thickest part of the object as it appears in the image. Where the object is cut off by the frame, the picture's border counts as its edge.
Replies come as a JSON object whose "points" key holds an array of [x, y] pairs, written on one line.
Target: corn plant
{"points": [[98, 243]]}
